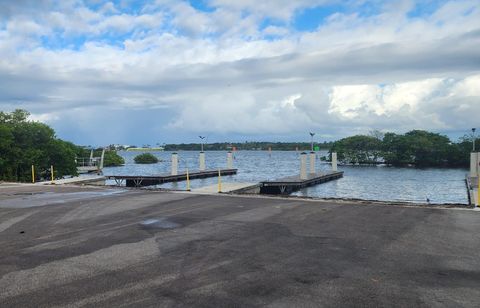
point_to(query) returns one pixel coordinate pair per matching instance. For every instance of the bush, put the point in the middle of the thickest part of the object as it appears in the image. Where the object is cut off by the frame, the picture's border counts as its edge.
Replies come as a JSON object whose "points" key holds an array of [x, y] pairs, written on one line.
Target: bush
{"points": [[145, 158], [112, 159]]}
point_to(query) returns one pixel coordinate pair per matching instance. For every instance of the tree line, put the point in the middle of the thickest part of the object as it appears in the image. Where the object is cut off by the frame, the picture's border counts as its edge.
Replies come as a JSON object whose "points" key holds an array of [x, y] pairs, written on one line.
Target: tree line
{"points": [[417, 147], [24, 143], [248, 145]]}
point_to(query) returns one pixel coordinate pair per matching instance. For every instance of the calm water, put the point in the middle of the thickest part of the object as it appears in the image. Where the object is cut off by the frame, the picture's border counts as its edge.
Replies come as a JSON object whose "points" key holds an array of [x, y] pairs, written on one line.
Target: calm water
{"points": [[372, 183]]}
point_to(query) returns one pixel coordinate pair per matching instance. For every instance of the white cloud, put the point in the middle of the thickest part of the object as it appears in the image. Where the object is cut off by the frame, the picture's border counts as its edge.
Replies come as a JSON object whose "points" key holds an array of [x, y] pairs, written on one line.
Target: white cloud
{"points": [[470, 86], [349, 101], [276, 31], [215, 71], [44, 117], [281, 9], [192, 21]]}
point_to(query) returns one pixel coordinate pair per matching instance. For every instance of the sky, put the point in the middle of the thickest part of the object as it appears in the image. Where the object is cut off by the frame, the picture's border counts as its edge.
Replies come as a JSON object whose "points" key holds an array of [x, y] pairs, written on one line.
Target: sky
{"points": [[162, 71]]}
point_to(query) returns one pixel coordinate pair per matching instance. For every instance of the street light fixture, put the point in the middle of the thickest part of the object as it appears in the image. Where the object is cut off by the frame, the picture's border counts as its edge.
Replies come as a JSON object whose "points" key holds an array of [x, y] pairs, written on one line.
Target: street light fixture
{"points": [[311, 142], [473, 137], [203, 138]]}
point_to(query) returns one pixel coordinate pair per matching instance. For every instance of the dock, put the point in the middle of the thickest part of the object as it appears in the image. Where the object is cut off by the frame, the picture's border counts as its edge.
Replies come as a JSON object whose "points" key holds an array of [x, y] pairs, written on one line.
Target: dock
{"points": [[287, 185], [150, 180]]}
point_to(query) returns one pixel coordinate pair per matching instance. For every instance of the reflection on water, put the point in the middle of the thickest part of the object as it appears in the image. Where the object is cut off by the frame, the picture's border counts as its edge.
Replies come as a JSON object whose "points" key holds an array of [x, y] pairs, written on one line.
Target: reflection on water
{"points": [[362, 182]]}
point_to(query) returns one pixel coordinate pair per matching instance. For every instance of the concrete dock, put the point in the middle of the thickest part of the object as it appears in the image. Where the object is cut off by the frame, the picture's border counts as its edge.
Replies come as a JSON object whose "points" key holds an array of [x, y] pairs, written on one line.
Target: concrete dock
{"points": [[102, 247], [287, 185]]}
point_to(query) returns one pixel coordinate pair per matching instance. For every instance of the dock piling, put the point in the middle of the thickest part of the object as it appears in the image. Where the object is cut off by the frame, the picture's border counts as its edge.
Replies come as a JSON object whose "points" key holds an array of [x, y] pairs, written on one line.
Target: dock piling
{"points": [[478, 192], [303, 166], [312, 162], [474, 164], [33, 174], [174, 163], [229, 160], [219, 181], [334, 161], [202, 161]]}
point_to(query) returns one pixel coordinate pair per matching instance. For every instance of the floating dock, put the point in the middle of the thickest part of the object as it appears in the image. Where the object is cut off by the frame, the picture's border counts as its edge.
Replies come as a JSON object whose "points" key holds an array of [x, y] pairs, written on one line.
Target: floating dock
{"points": [[149, 180], [287, 185]]}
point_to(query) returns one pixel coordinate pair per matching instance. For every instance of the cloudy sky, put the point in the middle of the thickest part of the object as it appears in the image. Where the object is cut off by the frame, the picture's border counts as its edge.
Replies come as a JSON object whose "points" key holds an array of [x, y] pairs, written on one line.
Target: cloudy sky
{"points": [[166, 71]]}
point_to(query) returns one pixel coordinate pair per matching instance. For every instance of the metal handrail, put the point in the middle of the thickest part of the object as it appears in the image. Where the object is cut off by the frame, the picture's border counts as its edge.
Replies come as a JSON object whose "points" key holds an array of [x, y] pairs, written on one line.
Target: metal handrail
{"points": [[87, 161]]}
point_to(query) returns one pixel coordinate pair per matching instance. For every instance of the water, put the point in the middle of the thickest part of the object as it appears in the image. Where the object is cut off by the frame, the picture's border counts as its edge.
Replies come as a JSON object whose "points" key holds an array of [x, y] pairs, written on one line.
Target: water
{"points": [[440, 185]]}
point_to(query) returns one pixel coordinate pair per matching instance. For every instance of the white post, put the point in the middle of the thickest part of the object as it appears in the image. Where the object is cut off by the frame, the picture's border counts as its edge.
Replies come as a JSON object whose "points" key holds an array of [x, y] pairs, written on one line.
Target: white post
{"points": [[475, 185], [229, 160], [100, 165], [202, 161], [174, 163], [312, 162], [477, 164], [101, 158], [334, 161], [474, 160], [303, 166], [91, 157]]}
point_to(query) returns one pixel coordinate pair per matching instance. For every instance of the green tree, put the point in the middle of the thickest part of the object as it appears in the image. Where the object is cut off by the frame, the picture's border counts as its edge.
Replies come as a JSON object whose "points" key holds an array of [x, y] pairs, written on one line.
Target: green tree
{"points": [[395, 150], [113, 159], [422, 149], [24, 143], [146, 158], [62, 156], [429, 149], [358, 149], [459, 153]]}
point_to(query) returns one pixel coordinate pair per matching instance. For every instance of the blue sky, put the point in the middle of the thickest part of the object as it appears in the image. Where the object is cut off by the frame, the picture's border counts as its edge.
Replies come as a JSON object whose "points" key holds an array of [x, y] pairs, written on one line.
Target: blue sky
{"points": [[167, 71]]}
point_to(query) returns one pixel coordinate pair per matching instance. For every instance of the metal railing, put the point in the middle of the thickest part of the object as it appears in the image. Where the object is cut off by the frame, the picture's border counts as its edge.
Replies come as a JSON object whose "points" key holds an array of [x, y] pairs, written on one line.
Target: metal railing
{"points": [[88, 162]]}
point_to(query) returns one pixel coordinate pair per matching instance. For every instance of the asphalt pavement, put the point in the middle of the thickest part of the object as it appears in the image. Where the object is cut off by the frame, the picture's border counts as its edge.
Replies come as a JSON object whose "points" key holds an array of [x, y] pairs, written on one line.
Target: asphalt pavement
{"points": [[100, 247]]}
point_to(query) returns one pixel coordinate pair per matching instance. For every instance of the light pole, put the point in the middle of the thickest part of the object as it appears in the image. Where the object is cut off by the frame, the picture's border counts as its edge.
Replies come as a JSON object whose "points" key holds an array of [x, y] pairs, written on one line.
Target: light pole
{"points": [[203, 138], [311, 142], [473, 137]]}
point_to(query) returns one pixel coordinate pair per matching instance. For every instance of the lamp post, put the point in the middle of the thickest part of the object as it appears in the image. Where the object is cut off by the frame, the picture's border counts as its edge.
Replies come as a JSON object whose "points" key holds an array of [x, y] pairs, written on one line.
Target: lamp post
{"points": [[311, 141], [203, 138], [473, 138]]}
